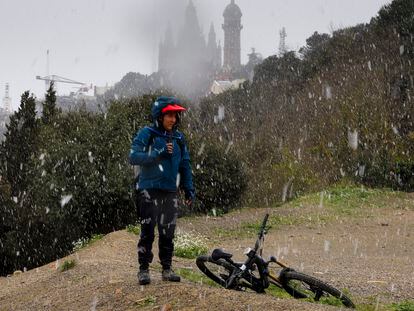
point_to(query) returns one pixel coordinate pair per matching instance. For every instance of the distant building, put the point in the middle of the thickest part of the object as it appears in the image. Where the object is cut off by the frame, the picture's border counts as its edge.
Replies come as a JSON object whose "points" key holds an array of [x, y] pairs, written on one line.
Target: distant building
{"points": [[189, 63], [190, 48], [7, 102], [219, 87], [194, 66], [233, 73], [5, 112]]}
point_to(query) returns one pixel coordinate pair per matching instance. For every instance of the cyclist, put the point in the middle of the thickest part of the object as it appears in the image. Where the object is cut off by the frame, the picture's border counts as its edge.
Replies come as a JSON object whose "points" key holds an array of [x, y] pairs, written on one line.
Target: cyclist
{"points": [[161, 152]]}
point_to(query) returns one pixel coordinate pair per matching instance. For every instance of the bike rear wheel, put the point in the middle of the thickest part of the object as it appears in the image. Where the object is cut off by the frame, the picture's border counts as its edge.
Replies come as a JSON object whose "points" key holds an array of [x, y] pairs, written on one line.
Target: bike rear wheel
{"points": [[309, 287], [220, 270]]}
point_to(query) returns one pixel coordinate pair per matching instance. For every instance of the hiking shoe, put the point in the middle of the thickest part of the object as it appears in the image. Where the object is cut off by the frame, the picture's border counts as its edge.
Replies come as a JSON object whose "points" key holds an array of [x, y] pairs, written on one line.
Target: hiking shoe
{"points": [[144, 277], [169, 275]]}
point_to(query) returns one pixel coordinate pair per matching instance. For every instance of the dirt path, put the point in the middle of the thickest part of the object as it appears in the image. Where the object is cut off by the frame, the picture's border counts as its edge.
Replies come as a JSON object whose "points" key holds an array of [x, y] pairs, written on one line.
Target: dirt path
{"points": [[371, 256]]}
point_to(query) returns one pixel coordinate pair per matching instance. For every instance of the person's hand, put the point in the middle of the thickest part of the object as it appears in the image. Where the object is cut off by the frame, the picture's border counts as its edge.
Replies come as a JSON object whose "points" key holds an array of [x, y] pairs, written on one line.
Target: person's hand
{"points": [[189, 196], [170, 148], [167, 150]]}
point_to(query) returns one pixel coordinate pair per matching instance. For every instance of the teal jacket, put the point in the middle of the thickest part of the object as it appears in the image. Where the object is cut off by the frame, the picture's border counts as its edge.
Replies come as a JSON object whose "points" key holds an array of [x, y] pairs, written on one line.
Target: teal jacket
{"points": [[160, 169]]}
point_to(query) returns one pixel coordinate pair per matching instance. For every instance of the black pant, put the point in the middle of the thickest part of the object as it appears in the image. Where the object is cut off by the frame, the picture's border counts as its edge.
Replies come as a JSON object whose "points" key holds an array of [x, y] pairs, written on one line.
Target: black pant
{"points": [[159, 208]]}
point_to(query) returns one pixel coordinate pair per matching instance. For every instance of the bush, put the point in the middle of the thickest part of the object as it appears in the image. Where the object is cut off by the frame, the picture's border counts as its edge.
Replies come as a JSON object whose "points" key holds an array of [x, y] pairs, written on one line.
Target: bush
{"points": [[219, 178], [135, 229]]}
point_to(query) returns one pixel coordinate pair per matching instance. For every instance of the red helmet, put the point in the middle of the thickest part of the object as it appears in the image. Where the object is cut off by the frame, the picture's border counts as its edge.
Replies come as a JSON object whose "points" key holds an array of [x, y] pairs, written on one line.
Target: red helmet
{"points": [[173, 108]]}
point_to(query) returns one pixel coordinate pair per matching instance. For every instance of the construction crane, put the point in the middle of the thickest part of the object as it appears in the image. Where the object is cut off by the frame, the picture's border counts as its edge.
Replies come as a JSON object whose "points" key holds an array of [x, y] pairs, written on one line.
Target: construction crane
{"points": [[54, 78]]}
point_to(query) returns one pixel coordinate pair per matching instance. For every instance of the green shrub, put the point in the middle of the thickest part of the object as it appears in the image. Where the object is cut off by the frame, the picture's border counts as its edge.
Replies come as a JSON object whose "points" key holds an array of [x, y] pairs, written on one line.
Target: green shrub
{"points": [[135, 229], [219, 178]]}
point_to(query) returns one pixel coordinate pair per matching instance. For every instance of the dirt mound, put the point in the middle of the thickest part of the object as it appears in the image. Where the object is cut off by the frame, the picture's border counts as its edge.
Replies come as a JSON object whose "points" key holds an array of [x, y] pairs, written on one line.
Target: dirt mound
{"points": [[104, 278], [370, 255]]}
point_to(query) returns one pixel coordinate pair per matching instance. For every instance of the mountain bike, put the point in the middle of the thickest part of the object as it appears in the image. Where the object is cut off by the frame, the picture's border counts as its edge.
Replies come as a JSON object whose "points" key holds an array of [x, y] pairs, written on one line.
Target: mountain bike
{"points": [[254, 274]]}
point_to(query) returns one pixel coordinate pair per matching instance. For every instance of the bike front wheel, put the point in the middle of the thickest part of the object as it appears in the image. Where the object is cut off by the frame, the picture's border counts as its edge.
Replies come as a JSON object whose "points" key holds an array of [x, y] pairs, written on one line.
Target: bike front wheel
{"points": [[220, 270], [301, 285]]}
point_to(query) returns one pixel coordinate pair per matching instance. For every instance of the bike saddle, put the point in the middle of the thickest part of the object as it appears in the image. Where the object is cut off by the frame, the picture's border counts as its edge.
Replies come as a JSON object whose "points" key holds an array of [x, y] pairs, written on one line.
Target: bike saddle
{"points": [[219, 253]]}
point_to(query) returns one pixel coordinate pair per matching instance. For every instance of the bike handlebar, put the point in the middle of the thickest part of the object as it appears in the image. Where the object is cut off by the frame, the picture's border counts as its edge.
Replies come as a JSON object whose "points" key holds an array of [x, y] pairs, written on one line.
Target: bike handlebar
{"points": [[252, 257]]}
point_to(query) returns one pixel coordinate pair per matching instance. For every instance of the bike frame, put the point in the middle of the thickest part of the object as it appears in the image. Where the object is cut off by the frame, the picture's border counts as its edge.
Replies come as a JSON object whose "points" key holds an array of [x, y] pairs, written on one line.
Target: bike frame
{"points": [[254, 258]]}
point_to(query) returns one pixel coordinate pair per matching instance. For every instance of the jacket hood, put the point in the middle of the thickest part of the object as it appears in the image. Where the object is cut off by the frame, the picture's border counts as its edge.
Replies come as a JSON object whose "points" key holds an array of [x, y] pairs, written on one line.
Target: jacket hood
{"points": [[160, 104]]}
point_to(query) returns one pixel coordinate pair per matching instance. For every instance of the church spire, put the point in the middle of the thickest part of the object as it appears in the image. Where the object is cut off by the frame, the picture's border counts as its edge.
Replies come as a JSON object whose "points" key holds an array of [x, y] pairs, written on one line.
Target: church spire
{"points": [[191, 34], [212, 37]]}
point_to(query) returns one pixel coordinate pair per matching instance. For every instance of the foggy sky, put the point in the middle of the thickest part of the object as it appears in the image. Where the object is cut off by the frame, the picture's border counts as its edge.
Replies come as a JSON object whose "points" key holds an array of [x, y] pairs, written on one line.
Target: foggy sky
{"points": [[99, 41]]}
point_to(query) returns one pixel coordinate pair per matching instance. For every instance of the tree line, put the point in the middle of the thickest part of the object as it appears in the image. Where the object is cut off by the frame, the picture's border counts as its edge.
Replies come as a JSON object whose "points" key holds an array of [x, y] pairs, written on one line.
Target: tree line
{"points": [[65, 176]]}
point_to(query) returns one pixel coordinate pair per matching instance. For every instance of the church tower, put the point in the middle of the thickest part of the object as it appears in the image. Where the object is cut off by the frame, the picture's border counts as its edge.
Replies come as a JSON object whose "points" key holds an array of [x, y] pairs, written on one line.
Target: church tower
{"points": [[232, 27]]}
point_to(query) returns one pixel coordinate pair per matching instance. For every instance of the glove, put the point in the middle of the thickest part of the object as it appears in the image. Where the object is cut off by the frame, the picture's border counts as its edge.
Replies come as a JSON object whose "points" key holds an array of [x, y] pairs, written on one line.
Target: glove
{"points": [[189, 194]]}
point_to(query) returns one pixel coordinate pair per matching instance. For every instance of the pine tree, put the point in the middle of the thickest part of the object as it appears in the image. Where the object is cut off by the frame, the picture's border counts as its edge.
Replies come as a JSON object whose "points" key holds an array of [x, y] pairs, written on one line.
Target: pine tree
{"points": [[49, 105], [20, 145]]}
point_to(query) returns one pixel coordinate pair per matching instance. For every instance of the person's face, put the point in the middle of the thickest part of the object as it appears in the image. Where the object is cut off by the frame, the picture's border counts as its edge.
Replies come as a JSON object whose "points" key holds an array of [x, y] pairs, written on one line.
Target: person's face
{"points": [[169, 120]]}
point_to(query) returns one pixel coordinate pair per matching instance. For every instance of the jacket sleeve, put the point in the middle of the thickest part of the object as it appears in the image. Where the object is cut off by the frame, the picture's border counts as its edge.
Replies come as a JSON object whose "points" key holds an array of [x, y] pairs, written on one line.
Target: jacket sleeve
{"points": [[141, 153], [186, 181]]}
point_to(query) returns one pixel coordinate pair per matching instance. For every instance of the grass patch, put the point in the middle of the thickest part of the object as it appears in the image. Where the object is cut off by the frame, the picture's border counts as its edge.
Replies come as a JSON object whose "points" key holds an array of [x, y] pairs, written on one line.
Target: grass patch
{"points": [[324, 207], [407, 305], [250, 229], [278, 292], [147, 301], [346, 195], [67, 265], [195, 277], [189, 245], [83, 242], [135, 229], [342, 200], [332, 301], [350, 200], [374, 305]]}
